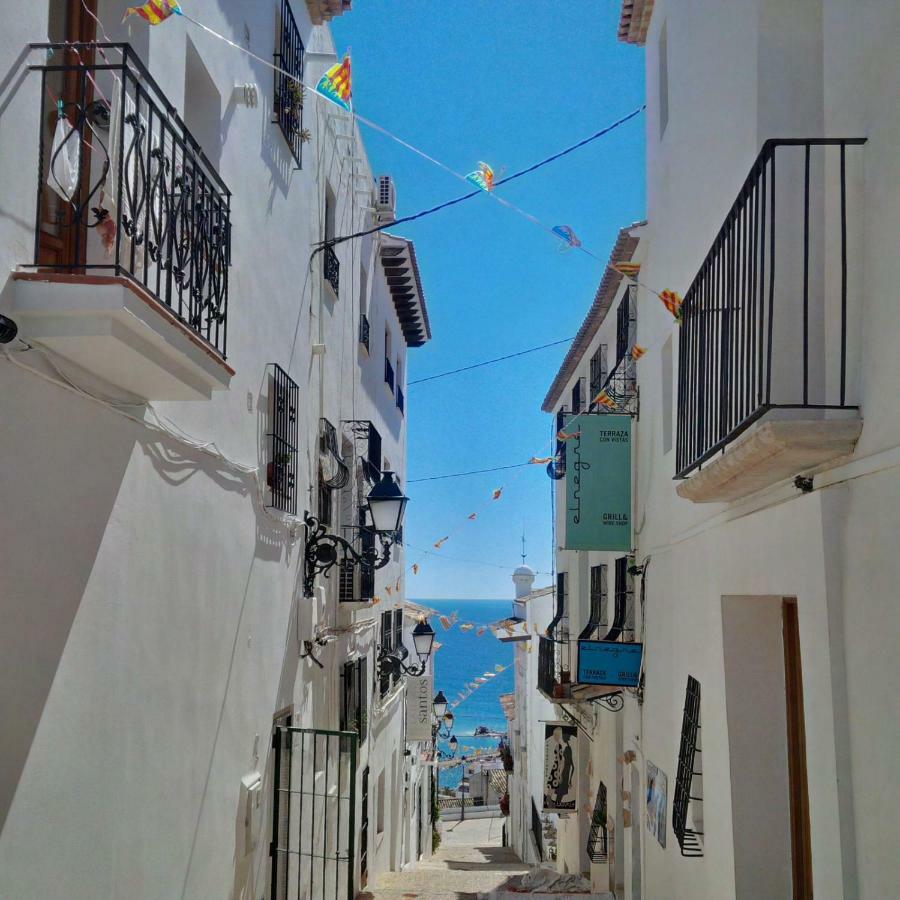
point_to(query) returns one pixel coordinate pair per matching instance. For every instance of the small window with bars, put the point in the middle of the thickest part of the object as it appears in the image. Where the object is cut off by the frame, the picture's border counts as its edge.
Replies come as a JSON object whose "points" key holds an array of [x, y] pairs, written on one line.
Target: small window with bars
{"points": [[598, 837], [354, 706], [387, 645], [599, 614], [599, 370], [625, 597], [398, 637], [687, 808], [625, 323], [282, 438], [289, 91]]}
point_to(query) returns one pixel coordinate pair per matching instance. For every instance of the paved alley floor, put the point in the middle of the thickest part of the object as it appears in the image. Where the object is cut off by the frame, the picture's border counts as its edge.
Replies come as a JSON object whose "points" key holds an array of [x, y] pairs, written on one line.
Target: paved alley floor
{"points": [[469, 861]]}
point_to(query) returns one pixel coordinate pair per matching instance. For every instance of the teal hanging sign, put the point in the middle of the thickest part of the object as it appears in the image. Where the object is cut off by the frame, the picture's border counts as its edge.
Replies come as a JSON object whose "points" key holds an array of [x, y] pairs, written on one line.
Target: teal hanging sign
{"points": [[609, 663], [598, 484]]}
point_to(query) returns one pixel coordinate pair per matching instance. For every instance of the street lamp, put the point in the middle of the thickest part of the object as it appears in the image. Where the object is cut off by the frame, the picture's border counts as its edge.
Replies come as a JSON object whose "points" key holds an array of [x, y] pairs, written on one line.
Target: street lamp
{"points": [[386, 506], [440, 705], [393, 661]]}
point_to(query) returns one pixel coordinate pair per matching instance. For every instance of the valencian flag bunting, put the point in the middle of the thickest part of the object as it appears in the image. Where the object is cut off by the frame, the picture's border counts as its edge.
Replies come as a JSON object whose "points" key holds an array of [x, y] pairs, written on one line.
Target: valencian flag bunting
{"points": [[155, 11], [335, 85]]}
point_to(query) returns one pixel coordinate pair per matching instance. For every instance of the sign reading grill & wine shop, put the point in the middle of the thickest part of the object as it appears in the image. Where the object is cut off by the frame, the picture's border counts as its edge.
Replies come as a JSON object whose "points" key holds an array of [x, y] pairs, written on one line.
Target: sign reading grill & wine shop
{"points": [[609, 663], [598, 484]]}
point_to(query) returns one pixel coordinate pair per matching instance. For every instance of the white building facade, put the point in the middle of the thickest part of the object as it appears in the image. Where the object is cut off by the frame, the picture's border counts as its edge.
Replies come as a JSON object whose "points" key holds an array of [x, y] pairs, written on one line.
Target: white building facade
{"points": [[195, 373], [754, 755]]}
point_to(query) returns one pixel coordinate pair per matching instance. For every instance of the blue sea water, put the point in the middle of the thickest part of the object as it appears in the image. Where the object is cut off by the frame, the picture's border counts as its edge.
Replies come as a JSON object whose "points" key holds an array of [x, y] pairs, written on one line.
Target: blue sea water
{"points": [[463, 657]]}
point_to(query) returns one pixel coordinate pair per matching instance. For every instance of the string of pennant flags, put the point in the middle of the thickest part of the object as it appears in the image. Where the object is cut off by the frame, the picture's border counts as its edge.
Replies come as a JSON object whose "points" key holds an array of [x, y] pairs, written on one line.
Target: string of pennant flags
{"points": [[336, 87]]}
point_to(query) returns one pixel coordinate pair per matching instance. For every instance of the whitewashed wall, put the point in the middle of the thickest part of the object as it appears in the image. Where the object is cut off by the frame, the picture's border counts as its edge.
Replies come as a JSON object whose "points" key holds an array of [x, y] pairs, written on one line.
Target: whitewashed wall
{"points": [[153, 610]]}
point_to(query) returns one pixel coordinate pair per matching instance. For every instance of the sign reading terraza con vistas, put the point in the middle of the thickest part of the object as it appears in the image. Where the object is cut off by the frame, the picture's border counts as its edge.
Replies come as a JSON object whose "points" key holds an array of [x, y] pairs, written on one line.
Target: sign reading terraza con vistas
{"points": [[598, 484]]}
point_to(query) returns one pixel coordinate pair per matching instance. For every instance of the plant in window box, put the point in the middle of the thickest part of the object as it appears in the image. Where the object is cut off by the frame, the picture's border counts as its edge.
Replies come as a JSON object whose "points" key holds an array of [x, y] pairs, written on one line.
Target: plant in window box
{"points": [[278, 475], [289, 103]]}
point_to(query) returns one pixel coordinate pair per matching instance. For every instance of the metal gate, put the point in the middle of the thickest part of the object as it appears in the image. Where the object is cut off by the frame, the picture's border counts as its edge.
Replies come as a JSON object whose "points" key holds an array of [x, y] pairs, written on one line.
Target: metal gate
{"points": [[313, 814]]}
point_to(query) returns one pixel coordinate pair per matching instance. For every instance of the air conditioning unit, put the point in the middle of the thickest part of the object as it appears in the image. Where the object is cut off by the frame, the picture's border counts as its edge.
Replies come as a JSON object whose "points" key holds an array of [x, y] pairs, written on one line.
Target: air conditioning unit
{"points": [[385, 200]]}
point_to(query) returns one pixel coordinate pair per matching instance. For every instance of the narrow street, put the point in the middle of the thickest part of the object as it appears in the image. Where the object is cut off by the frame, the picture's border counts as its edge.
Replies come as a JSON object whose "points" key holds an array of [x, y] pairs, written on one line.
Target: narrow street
{"points": [[470, 861]]}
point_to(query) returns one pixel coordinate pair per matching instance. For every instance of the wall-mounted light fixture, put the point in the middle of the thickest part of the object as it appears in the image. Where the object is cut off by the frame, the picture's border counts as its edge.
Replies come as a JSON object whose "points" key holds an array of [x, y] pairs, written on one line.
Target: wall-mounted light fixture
{"points": [[386, 505], [8, 330], [394, 661]]}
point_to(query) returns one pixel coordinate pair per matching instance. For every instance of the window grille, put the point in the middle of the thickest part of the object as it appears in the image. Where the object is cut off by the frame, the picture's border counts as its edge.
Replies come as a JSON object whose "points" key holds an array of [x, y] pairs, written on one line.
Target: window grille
{"points": [[625, 597], [598, 370], [599, 603], [398, 637], [354, 711], [689, 839], [578, 398], [557, 468], [598, 838], [537, 830], [289, 92], [387, 644], [281, 467], [625, 323]]}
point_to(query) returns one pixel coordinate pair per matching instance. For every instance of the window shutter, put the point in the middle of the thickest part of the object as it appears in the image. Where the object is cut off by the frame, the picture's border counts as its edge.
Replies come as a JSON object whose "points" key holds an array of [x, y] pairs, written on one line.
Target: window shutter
{"points": [[688, 838]]}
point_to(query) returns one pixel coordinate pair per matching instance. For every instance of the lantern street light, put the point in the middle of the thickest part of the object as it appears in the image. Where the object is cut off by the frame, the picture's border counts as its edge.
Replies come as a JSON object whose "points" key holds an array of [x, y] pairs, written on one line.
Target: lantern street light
{"points": [[385, 505], [394, 661]]}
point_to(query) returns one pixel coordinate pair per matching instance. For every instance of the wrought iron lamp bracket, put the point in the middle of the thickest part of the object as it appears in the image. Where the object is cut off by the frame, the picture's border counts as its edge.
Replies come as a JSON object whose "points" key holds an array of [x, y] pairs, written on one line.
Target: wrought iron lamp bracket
{"points": [[323, 551], [614, 702], [387, 662]]}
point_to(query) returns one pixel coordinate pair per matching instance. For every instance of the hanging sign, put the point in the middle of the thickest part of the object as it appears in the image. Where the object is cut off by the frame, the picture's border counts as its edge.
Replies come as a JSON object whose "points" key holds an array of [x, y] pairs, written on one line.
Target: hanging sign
{"points": [[609, 663], [560, 769], [598, 484], [419, 709]]}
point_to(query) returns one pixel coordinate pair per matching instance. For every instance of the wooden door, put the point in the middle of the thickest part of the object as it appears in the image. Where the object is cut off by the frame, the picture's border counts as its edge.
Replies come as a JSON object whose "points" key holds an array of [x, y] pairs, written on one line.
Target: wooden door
{"points": [[63, 231], [801, 853]]}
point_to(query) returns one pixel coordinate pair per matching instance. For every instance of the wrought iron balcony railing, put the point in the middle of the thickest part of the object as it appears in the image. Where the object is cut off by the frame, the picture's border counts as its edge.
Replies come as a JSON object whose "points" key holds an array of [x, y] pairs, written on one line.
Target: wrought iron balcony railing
{"points": [[768, 322], [364, 330], [332, 269], [125, 189]]}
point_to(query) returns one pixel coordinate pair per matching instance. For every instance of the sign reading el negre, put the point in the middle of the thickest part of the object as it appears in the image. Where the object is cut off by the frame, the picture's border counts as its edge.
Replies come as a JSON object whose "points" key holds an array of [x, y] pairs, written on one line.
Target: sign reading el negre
{"points": [[598, 484]]}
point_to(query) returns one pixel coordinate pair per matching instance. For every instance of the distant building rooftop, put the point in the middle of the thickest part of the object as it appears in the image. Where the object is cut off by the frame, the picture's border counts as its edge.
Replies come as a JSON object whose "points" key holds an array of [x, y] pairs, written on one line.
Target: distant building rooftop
{"points": [[634, 21], [623, 251]]}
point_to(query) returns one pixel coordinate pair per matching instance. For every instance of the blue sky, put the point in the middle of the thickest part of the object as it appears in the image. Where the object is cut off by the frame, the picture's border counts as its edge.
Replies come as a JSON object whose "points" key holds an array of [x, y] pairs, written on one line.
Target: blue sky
{"points": [[508, 82]]}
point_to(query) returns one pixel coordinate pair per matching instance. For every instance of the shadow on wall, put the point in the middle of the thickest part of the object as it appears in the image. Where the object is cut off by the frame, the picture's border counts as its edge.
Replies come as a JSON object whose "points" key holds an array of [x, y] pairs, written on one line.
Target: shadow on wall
{"points": [[57, 500]]}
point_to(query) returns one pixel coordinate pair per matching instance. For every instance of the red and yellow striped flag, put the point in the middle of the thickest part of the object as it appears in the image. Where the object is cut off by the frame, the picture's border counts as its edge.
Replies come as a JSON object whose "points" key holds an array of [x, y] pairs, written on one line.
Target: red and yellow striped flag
{"points": [[155, 11], [637, 351], [629, 269], [672, 302]]}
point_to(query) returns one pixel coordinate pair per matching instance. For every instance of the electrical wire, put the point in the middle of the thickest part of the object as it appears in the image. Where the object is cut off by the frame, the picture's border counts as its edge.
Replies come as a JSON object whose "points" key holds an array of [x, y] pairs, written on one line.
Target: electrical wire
{"points": [[489, 362], [463, 474], [526, 171]]}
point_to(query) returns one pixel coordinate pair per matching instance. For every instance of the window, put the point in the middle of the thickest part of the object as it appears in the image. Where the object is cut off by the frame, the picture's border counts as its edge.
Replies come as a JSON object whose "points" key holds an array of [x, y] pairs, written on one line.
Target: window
{"points": [[379, 818], [598, 839], [663, 58], [598, 370], [202, 106], [623, 326], [330, 204], [599, 595], [578, 395], [667, 380], [688, 838], [398, 637], [624, 621], [354, 711], [283, 436], [387, 644], [289, 97]]}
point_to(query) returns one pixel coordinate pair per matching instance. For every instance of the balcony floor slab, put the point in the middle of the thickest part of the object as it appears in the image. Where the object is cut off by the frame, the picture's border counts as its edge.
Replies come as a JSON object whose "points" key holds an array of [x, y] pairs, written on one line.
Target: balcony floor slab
{"points": [[768, 453], [109, 327]]}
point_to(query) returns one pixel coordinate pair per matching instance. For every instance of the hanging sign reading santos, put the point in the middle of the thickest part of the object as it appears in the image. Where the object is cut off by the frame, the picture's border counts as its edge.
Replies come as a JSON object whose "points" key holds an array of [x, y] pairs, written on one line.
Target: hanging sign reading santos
{"points": [[419, 709], [598, 484]]}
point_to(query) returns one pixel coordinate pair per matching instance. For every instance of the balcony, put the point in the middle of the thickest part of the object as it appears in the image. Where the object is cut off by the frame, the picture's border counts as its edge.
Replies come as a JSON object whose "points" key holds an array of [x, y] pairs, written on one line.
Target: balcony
{"points": [[364, 331], [769, 345], [332, 269], [129, 278], [554, 673]]}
